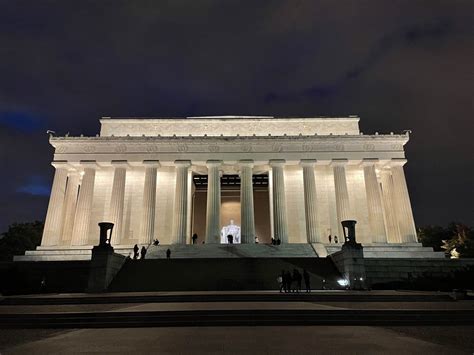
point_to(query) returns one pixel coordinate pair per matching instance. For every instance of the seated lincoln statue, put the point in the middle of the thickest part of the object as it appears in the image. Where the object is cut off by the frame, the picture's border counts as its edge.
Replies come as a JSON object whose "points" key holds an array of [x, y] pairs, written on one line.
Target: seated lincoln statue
{"points": [[231, 229]]}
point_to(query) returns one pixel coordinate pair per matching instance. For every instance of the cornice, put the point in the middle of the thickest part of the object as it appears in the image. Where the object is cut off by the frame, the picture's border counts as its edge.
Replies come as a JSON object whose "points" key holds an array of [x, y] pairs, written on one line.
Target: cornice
{"points": [[247, 144]]}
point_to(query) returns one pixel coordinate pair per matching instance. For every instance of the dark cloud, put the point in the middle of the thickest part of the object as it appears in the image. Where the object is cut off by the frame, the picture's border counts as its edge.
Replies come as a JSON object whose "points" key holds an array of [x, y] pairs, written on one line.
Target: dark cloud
{"points": [[398, 64]]}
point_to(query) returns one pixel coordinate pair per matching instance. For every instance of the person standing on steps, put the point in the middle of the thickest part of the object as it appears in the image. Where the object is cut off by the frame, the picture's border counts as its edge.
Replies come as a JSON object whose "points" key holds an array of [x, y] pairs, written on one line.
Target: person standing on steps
{"points": [[143, 253], [306, 280], [335, 239], [330, 238], [135, 252], [194, 238], [168, 253]]}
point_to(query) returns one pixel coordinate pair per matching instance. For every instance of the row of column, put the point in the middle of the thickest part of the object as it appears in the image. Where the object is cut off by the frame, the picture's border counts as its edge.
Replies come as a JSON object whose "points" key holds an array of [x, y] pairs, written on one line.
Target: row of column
{"points": [[68, 216]]}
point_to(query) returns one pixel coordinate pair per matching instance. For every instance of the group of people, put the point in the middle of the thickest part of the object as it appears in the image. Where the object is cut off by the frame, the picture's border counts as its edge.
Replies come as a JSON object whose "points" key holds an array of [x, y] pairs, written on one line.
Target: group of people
{"points": [[141, 253], [137, 252], [292, 282], [330, 238], [276, 241]]}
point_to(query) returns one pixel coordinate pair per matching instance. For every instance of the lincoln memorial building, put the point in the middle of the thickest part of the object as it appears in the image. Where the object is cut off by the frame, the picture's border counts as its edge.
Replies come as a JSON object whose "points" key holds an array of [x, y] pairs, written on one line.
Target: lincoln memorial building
{"points": [[288, 178]]}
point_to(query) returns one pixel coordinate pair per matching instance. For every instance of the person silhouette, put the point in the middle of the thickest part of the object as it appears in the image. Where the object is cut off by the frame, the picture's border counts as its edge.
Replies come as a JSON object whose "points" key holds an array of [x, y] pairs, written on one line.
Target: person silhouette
{"points": [[230, 239], [297, 279], [335, 239], [135, 252], [143, 253], [168, 253], [194, 238], [306, 280], [329, 238], [281, 281], [288, 281]]}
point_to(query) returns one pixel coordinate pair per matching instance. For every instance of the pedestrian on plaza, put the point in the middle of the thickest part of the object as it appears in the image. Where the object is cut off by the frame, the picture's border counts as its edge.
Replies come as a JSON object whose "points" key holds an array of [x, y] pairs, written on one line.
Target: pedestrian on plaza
{"points": [[335, 239], [306, 280], [297, 279], [43, 284], [288, 281], [143, 253], [280, 280], [135, 252], [194, 238], [168, 253]]}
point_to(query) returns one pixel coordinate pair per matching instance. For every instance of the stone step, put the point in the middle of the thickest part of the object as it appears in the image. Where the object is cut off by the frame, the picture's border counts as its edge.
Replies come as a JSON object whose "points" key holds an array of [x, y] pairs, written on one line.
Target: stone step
{"points": [[247, 317], [232, 251]]}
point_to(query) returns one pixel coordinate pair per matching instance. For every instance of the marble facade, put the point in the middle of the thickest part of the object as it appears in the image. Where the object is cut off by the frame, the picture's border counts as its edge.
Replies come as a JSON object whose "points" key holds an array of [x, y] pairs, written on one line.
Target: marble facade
{"points": [[138, 174]]}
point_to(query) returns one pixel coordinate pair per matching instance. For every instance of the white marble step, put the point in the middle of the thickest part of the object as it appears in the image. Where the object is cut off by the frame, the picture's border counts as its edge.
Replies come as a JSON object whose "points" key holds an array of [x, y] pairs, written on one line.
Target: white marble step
{"points": [[232, 251]]}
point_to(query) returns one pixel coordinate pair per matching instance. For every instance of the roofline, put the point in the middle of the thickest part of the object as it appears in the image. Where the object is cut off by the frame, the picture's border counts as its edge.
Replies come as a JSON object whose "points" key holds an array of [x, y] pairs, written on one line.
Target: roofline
{"points": [[230, 117]]}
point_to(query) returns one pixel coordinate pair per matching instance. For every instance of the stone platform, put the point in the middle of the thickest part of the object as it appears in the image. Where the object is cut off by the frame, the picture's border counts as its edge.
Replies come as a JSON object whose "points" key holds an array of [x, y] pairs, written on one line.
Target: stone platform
{"points": [[219, 251], [291, 250], [66, 253], [386, 251]]}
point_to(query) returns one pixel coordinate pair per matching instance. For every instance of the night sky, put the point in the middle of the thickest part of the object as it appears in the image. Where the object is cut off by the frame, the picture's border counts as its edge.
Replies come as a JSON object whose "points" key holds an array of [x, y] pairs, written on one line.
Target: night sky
{"points": [[397, 64]]}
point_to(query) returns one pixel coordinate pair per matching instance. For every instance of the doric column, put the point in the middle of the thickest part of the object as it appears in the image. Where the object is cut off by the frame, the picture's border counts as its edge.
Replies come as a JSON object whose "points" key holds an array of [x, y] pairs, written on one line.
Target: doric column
{"points": [[147, 232], [213, 210], [309, 183], [374, 202], [247, 216], [80, 232], [53, 222], [70, 202], [181, 202], [402, 203], [270, 202], [343, 206], [393, 232], [117, 199], [279, 200]]}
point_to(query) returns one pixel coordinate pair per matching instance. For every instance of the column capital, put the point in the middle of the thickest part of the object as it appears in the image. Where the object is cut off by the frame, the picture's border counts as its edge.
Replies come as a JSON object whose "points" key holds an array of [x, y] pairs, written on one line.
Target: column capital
{"points": [[397, 162], [246, 162], [151, 163], [214, 163], [308, 162], [60, 164], [120, 163], [277, 162], [183, 163], [339, 162], [369, 161]]}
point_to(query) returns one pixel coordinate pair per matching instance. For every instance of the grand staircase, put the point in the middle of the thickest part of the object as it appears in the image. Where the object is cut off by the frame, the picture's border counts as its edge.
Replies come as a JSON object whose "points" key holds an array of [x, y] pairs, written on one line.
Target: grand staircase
{"points": [[218, 251]]}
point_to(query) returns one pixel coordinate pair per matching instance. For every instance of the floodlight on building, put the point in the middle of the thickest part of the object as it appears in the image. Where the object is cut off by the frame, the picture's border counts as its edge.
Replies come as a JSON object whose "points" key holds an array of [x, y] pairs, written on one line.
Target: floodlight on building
{"points": [[343, 282]]}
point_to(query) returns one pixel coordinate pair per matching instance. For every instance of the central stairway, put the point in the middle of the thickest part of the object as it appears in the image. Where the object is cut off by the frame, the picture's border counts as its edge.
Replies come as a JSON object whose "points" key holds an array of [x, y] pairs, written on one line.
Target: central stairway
{"points": [[218, 251]]}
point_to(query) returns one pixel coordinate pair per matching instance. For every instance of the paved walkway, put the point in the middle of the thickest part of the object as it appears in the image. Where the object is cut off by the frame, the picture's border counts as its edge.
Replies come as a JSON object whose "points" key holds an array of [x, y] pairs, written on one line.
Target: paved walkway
{"points": [[236, 340]]}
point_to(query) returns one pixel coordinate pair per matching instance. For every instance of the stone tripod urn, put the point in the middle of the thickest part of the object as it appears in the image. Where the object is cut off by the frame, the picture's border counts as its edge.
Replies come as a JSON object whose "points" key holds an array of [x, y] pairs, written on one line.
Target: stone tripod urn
{"points": [[105, 264], [104, 237], [348, 228], [350, 260]]}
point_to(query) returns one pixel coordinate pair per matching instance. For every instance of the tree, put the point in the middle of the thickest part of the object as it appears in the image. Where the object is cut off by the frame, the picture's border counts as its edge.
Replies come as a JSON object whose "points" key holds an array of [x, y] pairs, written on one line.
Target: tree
{"points": [[20, 237], [461, 241], [433, 236]]}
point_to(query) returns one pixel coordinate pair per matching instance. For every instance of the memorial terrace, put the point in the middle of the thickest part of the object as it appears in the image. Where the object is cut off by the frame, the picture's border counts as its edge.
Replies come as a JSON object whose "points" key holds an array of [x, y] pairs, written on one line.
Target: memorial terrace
{"points": [[171, 178]]}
